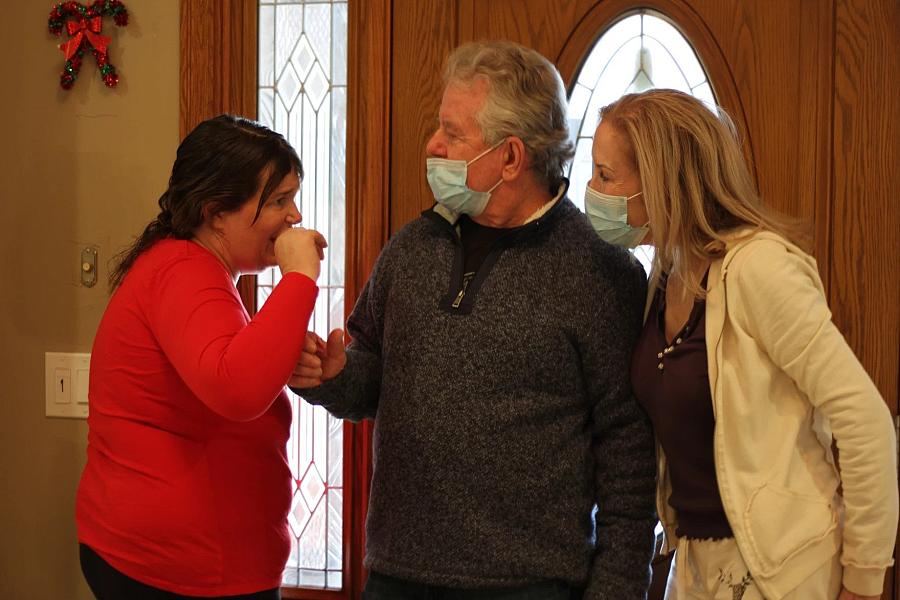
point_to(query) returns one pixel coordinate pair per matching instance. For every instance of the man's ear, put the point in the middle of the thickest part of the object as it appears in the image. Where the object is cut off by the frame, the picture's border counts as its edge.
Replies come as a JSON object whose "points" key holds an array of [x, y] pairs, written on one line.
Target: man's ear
{"points": [[515, 158]]}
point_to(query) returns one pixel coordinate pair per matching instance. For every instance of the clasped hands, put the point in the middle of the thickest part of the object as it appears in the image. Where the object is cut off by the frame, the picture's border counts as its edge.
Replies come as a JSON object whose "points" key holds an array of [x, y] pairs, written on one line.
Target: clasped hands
{"points": [[320, 361]]}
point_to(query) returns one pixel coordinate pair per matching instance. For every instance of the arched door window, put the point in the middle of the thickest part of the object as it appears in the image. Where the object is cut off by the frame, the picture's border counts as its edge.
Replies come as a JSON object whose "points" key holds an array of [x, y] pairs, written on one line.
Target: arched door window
{"points": [[638, 52]]}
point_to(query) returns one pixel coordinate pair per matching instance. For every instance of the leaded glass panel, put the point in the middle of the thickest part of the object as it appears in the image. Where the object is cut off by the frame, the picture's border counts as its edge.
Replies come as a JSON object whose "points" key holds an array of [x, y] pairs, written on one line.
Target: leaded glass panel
{"points": [[303, 95]]}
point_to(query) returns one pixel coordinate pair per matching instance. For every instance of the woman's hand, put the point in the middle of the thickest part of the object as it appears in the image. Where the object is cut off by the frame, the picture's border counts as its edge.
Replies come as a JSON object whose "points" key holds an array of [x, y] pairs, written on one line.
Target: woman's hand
{"points": [[320, 361], [848, 595], [300, 250], [308, 372]]}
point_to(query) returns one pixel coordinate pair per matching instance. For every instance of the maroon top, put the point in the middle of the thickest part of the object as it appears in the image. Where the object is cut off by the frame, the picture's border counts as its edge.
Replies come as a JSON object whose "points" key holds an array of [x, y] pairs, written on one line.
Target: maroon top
{"points": [[671, 381]]}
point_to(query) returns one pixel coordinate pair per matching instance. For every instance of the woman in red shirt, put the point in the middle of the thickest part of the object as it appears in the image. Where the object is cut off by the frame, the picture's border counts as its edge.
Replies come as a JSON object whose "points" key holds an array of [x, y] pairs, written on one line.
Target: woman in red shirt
{"points": [[187, 486]]}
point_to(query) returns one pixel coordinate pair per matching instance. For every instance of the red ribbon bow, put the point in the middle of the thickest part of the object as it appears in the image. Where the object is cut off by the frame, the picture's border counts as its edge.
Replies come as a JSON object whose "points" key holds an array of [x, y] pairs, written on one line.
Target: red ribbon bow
{"points": [[77, 31]]}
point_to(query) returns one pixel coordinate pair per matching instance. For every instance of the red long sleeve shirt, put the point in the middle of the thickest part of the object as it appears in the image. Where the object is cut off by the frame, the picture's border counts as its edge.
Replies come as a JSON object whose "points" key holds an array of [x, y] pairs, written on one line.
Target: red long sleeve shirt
{"points": [[187, 485]]}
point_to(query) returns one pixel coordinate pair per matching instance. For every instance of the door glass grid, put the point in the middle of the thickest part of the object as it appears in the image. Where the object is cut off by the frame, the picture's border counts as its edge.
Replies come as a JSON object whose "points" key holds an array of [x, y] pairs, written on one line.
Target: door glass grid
{"points": [[303, 95], [639, 52]]}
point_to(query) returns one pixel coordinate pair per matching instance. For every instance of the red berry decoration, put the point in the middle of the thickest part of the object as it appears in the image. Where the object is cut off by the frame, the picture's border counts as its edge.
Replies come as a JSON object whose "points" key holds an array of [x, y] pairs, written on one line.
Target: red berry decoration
{"points": [[83, 25]]}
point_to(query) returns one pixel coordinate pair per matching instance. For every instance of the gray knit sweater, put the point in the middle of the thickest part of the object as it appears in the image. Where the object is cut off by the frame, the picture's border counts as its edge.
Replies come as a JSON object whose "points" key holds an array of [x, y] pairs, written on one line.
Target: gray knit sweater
{"points": [[503, 415]]}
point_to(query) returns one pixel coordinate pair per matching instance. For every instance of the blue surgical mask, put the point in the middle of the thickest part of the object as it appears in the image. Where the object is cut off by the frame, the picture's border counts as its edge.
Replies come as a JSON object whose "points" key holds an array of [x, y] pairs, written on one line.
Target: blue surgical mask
{"points": [[609, 216], [447, 179]]}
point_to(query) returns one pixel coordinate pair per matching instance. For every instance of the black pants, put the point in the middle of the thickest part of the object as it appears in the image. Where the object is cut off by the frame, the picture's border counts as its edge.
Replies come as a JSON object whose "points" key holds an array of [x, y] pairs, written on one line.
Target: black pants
{"points": [[109, 584], [384, 587]]}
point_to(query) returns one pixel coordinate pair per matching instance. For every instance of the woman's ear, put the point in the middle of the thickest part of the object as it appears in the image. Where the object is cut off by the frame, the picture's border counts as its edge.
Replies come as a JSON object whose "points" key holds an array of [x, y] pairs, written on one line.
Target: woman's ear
{"points": [[212, 217], [514, 158]]}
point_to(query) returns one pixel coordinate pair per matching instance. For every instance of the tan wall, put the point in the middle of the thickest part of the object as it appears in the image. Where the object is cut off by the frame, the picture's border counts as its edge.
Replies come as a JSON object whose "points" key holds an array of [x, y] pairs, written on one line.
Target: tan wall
{"points": [[78, 167]]}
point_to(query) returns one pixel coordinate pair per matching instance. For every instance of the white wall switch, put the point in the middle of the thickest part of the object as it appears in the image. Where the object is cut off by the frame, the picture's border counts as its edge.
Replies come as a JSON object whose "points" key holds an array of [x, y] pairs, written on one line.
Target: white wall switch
{"points": [[62, 385], [80, 386], [66, 384]]}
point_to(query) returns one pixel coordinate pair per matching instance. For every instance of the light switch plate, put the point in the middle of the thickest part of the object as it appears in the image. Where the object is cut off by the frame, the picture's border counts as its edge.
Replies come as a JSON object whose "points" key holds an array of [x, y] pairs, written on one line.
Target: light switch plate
{"points": [[66, 384]]}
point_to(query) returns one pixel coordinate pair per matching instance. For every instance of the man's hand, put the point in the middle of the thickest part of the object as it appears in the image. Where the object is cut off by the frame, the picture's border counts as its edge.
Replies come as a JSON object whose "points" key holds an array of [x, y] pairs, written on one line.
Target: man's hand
{"points": [[333, 355], [320, 361], [848, 595]]}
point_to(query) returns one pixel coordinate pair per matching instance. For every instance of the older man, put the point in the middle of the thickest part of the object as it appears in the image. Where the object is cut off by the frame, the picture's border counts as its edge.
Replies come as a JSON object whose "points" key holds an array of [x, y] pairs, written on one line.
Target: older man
{"points": [[491, 345]]}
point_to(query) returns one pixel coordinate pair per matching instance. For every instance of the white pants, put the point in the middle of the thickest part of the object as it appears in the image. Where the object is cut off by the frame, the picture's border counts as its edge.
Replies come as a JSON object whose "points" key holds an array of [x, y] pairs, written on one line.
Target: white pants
{"points": [[715, 570]]}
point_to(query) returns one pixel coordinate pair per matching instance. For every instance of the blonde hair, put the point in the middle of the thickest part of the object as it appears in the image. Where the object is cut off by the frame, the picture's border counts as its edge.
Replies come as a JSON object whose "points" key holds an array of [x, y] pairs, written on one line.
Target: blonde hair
{"points": [[696, 185], [526, 99]]}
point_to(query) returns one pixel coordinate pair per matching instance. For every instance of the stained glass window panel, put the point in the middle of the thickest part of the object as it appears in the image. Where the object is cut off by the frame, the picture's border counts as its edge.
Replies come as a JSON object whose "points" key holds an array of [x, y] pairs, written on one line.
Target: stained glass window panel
{"points": [[303, 95], [266, 39], [639, 52]]}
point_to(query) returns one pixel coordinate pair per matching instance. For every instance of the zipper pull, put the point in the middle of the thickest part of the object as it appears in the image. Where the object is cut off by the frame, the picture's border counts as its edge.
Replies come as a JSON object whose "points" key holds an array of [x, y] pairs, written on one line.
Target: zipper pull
{"points": [[467, 279], [459, 298]]}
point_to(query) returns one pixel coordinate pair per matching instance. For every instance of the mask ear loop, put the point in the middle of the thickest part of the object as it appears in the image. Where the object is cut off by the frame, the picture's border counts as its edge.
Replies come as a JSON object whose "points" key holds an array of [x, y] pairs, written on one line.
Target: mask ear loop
{"points": [[647, 224], [489, 150]]}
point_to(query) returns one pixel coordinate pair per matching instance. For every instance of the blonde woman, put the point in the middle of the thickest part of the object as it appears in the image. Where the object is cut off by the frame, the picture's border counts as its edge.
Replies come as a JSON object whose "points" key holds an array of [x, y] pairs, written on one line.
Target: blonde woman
{"points": [[742, 372]]}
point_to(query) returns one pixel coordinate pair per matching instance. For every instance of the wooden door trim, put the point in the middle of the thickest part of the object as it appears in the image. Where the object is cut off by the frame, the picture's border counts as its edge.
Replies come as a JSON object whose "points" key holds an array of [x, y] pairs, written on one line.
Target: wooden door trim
{"points": [[218, 60], [368, 178], [816, 132], [368, 138], [219, 73]]}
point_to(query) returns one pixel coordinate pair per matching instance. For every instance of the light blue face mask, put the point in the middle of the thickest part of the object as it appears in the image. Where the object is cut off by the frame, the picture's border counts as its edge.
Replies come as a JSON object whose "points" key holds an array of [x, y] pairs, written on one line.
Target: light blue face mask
{"points": [[447, 179], [609, 216]]}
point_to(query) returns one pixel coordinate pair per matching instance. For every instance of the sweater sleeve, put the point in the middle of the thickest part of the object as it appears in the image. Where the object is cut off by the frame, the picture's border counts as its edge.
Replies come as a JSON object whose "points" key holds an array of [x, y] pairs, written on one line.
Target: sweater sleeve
{"points": [[785, 310], [353, 394], [237, 368], [624, 454]]}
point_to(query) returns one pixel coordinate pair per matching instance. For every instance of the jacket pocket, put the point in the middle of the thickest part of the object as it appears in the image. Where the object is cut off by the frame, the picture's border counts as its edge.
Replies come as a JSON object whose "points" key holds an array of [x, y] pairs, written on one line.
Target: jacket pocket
{"points": [[780, 524]]}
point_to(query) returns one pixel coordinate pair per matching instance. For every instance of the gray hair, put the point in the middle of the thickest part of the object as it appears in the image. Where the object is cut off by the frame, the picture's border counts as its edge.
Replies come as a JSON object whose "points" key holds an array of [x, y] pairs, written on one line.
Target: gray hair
{"points": [[526, 99]]}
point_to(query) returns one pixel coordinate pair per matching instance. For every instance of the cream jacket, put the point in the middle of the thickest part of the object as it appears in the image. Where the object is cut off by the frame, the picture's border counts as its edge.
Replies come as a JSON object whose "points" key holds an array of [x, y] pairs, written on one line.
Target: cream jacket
{"points": [[783, 379]]}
